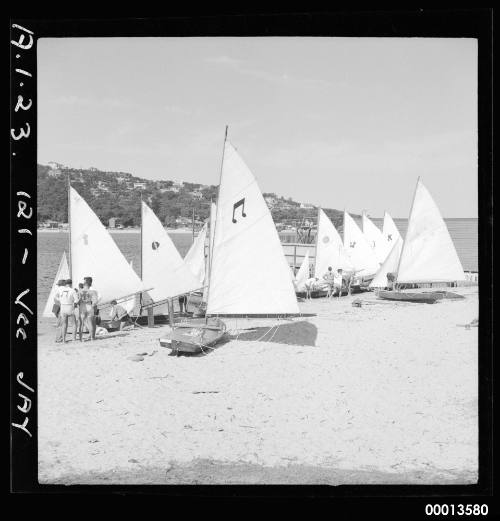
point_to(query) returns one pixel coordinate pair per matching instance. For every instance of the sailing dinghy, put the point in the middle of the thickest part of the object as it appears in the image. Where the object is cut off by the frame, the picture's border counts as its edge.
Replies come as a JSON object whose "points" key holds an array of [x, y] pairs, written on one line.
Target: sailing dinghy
{"points": [[249, 275], [62, 274], [428, 254], [374, 237]]}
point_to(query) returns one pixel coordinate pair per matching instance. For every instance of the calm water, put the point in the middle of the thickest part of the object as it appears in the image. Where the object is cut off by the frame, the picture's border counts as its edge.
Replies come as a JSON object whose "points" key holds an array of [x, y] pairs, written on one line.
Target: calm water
{"points": [[51, 246]]}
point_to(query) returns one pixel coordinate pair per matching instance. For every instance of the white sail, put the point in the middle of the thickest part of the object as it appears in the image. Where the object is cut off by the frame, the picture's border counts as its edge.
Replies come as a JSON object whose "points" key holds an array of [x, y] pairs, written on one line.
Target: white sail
{"points": [[249, 274], [375, 238], [360, 252], [163, 268], [62, 273], [390, 265], [329, 248], [428, 253], [95, 254], [390, 232], [302, 274], [195, 257]]}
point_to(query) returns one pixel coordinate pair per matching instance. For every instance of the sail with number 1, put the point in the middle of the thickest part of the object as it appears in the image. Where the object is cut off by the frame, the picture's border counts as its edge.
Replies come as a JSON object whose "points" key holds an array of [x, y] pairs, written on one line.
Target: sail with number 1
{"points": [[249, 274], [359, 250], [374, 237], [94, 253]]}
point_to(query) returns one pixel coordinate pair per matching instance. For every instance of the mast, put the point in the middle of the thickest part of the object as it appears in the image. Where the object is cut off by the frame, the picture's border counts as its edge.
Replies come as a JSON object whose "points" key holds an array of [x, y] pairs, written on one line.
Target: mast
{"points": [[316, 242], [216, 215], [406, 234], [142, 260], [69, 228], [192, 221]]}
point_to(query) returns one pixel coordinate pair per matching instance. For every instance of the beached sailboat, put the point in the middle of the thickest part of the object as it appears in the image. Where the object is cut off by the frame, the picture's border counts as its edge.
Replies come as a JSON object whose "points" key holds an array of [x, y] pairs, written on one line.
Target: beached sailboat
{"points": [[360, 252], [330, 250], [249, 275], [390, 265], [428, 254], [163, 268], [61, 274], [94, 253], [374, 237]]}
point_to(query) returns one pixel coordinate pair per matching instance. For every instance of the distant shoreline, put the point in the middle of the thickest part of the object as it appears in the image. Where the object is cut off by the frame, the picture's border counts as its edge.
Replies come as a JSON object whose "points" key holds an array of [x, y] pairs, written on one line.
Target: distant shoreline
{"points": [[128, 230]]}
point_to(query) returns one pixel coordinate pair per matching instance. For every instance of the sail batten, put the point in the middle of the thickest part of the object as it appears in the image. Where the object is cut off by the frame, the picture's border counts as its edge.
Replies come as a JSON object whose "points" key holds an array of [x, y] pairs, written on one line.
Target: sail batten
{"points": [[249, 274], [163, 268], [95, 254], [428, 253]]}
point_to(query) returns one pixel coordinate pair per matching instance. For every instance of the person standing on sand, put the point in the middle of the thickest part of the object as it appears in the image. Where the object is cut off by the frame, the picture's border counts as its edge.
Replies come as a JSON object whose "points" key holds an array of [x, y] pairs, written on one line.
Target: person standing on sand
{"points": [[309, 285], [90, 298], [82, 309], [56, 309], [329, 277], [337, 283], [67, 298], [94, 318]]}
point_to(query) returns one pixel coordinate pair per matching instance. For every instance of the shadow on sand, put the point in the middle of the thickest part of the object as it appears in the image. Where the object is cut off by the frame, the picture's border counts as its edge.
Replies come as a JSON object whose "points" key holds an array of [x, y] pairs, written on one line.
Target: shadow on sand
{"points": [[301, 333]]}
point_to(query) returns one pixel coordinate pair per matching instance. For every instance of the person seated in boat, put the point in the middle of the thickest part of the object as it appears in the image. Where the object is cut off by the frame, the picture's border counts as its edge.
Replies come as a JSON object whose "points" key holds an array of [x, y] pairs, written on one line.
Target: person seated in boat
{"points": [[309, 284], [329, 277], [67, 298], [183, 304], [119, 314], [337, 283]]}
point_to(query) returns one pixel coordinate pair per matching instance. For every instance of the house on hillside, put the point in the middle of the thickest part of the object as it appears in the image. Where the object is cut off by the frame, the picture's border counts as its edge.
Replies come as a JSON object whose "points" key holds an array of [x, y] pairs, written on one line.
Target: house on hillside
{"points": [[197, 194], [140, 186], [114, 222], [307, 206]]}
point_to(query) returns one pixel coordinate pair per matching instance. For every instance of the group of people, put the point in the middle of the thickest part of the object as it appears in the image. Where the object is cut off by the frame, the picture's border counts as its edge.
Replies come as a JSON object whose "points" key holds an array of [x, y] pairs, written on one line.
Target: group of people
{"points": [[334, 281], [78, 305]]}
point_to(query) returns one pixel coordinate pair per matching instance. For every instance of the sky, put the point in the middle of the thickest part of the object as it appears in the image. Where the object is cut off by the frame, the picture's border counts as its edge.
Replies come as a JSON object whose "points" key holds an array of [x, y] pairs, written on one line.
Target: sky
{"points": [[338, 122]]}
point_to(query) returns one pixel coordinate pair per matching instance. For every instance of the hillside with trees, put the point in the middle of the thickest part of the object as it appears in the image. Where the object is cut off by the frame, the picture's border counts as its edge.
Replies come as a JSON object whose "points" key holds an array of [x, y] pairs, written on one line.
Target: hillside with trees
{"points": [[118, 195]]}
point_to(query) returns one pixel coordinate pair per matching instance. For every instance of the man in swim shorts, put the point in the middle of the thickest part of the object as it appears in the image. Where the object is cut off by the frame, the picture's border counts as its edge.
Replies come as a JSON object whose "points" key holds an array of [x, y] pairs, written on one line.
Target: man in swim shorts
{"points": [[328, 278], [119, 313], [56, 309], [89, 298], [337, 283], [67, 298]]}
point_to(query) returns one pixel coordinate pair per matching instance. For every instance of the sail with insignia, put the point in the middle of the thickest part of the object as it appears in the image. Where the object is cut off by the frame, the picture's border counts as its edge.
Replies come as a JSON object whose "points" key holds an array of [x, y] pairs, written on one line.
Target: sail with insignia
{"points": [[94, 253], [390, 232], [249, 274], [359, 250], [374, 237], [163, 268], [330, 250]]}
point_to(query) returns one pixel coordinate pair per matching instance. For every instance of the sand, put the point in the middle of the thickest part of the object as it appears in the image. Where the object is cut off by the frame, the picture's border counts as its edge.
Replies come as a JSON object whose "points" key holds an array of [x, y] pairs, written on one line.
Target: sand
{"points": [[384, 393]]}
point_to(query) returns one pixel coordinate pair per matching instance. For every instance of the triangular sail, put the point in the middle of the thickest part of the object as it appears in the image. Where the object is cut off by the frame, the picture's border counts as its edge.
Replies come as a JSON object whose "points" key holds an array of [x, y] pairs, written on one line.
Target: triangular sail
{"points": [[163, 268], [62, 273], [390, 265], [428, 253], [302, 274], [360, 252], [195, 257], [329, 248], [95, 254], [390, 232], [249, 273], [375, 238]]}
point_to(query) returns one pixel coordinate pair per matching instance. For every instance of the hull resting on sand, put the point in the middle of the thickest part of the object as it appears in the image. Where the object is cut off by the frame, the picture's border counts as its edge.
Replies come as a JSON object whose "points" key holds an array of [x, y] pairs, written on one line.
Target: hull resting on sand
{"points": [[194, 336], [401, 296]]}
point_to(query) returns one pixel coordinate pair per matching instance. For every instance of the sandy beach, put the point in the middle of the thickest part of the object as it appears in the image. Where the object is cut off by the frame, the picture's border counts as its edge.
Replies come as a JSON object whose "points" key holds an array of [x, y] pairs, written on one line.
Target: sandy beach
{"points": [[383, 393]]}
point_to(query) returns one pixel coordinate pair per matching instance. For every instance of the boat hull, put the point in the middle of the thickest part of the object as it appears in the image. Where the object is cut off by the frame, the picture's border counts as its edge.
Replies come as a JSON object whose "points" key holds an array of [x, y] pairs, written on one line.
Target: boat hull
{"points": [[194, 336], [401, 296]]}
